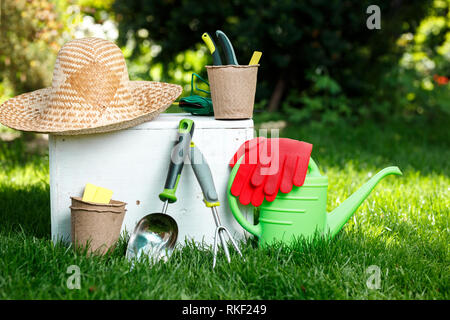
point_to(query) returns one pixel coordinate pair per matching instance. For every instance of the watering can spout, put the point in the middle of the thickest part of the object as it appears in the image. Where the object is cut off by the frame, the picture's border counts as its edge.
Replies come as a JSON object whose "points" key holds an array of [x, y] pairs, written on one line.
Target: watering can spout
{"points": [[339, 216]]}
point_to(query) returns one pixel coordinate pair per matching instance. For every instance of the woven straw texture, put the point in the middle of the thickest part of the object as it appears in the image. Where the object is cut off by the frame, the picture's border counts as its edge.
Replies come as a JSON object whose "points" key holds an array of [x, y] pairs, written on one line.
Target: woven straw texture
{"points": [[90, 93]]}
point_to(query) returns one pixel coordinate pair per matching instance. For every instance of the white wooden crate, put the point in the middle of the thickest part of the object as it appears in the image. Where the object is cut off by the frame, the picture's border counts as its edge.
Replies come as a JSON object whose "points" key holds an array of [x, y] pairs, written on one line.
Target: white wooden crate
{"points": [[134, 164]]}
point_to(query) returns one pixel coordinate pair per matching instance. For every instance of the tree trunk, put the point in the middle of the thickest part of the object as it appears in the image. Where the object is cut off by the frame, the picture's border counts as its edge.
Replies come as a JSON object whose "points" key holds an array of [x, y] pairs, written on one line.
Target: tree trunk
{"points": [[277, 94]]}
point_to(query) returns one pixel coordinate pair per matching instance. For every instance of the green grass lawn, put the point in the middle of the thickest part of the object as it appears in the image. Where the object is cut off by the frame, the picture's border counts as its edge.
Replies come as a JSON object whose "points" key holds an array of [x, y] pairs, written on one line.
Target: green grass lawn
{"points": [[402, 228]]}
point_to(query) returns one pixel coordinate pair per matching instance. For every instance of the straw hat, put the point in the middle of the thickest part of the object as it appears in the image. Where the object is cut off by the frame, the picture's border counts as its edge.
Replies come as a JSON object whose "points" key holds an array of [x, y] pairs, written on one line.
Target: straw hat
{"points": [[90, 93]]}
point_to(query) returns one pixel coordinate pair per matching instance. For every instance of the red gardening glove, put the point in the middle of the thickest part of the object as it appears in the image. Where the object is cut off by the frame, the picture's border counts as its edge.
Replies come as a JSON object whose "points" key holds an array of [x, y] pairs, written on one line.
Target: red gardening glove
{"points": [[269, 165], [241, 187]]}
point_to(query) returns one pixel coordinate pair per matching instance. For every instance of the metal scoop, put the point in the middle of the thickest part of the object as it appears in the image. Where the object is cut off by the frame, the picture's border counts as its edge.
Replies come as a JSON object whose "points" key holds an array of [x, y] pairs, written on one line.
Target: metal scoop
{"points": [[204, 177], [155, 235]]}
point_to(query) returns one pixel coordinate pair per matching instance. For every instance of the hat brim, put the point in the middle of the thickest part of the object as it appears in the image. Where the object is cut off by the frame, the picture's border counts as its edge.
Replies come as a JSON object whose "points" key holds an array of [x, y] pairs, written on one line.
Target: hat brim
{"points": [[24, 112]]}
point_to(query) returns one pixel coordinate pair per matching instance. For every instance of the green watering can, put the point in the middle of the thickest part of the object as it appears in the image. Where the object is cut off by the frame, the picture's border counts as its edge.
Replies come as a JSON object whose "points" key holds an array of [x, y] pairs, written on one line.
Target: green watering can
{"points": [[301, 213]]}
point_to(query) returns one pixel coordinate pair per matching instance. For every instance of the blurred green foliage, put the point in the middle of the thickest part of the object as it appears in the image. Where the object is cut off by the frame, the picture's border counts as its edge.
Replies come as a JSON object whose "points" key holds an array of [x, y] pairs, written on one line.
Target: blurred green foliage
{"points": [[30, 36], [323, 101], [426, 59], [320, 62]]}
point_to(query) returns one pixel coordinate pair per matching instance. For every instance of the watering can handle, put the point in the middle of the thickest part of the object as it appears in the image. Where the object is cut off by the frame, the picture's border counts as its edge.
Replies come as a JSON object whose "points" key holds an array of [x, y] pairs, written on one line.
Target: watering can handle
{"points": [[313, 169], [254, 229]]}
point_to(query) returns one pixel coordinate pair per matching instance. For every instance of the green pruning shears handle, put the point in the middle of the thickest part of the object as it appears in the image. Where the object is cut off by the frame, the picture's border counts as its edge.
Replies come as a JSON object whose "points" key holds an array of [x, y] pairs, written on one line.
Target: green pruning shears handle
{"points": [[212, 48], [179, 153], [204, 177], [227, 47]]}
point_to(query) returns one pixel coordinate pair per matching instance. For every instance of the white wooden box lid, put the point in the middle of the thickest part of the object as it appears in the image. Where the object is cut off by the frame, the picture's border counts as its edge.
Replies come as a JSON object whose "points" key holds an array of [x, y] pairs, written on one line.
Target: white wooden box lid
{"points": [[171, 120]]}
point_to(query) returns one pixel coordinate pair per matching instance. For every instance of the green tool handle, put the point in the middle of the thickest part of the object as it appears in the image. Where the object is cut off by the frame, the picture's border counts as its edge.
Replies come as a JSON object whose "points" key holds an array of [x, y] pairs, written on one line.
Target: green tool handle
{"points": [[212, 48], [227, 47], [204, 177], [179, 153]]}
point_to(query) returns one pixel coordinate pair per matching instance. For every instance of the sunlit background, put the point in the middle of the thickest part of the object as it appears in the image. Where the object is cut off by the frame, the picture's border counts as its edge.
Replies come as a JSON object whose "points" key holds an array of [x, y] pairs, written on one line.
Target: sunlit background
{"points": [[364, 98], [319, 63]]}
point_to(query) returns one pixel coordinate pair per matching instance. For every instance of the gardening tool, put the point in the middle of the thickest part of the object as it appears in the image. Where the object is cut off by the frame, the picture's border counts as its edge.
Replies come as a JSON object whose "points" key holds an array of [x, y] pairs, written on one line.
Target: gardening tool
{"points": [[195, 104], [225, 43], [302, 212], [255, 58], [204, 178], [156, 234], [212, 48]]}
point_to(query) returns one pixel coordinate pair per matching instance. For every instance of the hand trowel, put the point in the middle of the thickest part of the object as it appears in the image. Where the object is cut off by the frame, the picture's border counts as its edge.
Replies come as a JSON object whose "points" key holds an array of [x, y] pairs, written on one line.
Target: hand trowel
{"points": [[155, 235]]}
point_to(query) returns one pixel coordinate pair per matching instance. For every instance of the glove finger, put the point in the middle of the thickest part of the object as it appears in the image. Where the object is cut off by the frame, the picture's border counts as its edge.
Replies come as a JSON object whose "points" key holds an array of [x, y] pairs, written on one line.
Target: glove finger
{"points": [[273, 181], [258, 196], [259, 174], [302, 164], [288, 174], [271, 197], [247, 166], [251, 155], [300, 171], [246, 147], [264, 161], [246, 195], [241, 180], [239, 153]]}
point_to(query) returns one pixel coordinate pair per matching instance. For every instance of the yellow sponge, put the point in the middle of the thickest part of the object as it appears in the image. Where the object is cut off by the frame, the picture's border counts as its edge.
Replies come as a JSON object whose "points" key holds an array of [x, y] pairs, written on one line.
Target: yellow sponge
{"points": [[96, 194]]}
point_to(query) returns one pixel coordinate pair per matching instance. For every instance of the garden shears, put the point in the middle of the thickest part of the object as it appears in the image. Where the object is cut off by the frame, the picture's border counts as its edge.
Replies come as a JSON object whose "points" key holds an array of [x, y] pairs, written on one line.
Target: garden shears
{"points": [[227, 47]]}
